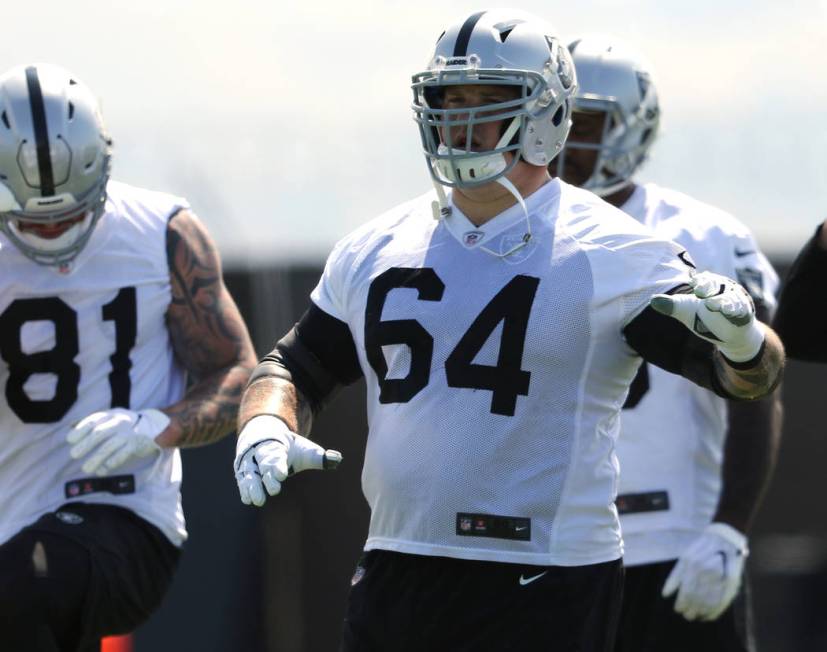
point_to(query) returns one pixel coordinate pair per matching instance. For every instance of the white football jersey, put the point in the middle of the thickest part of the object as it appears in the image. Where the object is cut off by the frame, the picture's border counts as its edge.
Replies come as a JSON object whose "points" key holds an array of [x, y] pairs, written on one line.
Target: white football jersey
{"points": [[84, 339], [671, 442], [495, 383]]}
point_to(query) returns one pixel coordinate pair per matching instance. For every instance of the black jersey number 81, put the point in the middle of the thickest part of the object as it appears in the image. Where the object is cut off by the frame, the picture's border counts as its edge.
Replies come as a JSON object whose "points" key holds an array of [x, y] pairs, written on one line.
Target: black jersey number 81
{"points": [[60, 360], [511, 305]]}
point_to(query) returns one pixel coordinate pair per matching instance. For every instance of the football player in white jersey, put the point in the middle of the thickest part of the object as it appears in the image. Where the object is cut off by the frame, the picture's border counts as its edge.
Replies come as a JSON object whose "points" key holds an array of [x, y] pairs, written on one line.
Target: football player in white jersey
{"points": [[498, 325], [693, 466], [801, 319], [110, 296]]}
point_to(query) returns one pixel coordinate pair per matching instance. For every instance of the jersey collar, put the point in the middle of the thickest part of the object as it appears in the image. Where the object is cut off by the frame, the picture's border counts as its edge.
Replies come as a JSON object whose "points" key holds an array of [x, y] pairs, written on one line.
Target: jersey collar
{"points": [[471, 236]]}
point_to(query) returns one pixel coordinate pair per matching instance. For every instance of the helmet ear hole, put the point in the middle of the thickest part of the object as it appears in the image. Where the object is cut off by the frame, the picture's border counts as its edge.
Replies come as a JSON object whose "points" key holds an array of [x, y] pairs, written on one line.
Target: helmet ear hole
{"points": [[6, 120], [557, 118]]}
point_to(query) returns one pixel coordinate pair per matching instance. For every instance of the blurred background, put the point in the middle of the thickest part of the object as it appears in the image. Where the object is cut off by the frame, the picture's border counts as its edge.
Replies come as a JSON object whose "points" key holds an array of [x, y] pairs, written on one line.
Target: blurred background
{"points": [[287, 126]]}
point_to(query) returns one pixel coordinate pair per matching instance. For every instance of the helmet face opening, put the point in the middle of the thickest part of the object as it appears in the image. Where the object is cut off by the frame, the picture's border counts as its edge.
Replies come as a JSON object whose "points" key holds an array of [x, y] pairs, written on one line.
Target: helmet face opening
{"points": [[55, 236], [456, 118], [587, 160], [51, 229], [55, 159]]}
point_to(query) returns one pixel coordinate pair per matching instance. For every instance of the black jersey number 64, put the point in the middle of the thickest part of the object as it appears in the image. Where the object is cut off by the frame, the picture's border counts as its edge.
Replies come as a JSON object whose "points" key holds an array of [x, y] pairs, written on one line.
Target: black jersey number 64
{"points": [[506, 380]]}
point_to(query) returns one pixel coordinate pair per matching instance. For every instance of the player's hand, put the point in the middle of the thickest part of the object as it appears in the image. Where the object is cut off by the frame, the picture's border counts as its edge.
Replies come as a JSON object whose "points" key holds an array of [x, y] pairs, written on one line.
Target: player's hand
{"points": [[719, 311], [268, 451], [708, 573], [116, 436]]}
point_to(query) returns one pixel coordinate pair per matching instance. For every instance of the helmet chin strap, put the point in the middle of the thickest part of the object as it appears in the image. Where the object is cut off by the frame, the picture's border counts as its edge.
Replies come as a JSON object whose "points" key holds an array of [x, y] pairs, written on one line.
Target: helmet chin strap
{"points": [[440, 207], [510, 187], [610, 190]]}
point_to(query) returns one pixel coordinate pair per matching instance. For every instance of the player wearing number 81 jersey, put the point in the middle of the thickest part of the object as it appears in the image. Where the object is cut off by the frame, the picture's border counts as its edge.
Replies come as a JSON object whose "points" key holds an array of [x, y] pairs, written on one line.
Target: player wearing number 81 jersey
{"points": [[498, 327], [109, 296], [92, 349]]}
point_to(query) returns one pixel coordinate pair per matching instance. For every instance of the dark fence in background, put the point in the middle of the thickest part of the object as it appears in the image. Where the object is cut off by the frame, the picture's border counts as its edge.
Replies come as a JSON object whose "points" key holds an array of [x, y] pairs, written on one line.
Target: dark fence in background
{"points": [[275, 579]]}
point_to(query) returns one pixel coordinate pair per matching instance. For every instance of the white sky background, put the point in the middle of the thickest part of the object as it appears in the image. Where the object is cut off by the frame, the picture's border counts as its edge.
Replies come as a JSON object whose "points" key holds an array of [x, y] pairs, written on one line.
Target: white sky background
{"points": [[288, 126]]}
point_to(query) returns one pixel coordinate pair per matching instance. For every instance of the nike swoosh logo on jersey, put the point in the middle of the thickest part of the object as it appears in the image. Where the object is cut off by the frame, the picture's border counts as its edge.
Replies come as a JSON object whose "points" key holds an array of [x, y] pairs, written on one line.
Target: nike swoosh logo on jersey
{"points": [[686, 260], [529, 580], [745, 252]]}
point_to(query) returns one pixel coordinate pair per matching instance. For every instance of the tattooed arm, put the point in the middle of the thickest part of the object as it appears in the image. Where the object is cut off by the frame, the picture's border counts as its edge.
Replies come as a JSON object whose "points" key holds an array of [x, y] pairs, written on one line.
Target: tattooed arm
{"points": [[279, 397], [208, 337], [666, 343], [303, 372], [757, 378]]}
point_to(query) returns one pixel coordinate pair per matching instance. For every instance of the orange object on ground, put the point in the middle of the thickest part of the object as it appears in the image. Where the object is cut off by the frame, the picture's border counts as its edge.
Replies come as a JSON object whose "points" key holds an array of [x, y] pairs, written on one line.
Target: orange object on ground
{"points": [[117, 643]]}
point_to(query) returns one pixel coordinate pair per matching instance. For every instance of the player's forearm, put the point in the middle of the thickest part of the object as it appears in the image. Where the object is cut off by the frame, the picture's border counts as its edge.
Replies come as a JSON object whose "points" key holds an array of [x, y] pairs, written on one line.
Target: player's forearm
{"points": [[208, 411], [750, 454], [760, 377], [208, 335], [279, 397]]}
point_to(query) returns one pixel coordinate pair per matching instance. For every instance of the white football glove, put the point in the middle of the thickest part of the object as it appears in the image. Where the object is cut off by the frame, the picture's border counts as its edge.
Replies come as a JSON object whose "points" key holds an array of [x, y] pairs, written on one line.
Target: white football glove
{"points": [[116, 436], [708, 574], [720, 311], [267, 452]]}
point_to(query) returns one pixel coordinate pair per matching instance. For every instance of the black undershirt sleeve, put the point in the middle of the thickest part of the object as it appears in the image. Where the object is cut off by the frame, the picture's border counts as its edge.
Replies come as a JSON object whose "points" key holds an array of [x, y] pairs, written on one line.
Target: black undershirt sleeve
{"points": [[318, 355], [801, 318], [668, 344]]}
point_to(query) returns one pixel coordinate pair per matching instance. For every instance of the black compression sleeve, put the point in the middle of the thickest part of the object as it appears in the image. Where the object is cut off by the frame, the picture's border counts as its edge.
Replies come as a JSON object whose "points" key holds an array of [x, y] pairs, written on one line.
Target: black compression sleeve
{"points": [[318, 355], [668, 344], [801, 318]]}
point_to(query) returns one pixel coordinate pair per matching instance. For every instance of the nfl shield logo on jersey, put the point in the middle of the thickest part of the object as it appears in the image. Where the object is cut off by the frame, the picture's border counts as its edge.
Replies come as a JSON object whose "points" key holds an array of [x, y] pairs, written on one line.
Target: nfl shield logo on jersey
{"points": [[471, 238]]}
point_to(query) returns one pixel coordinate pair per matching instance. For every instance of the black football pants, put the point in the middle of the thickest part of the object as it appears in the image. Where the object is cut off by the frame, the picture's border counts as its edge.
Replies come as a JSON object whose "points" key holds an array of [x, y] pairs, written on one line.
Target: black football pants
{"points": [[400, 603], [649, 622], [80, 573]]}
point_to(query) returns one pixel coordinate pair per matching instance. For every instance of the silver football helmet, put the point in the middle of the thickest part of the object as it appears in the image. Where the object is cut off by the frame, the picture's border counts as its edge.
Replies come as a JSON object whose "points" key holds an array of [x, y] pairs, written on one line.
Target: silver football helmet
{"points": [[54, 162], [497, 47], [617, 81]]}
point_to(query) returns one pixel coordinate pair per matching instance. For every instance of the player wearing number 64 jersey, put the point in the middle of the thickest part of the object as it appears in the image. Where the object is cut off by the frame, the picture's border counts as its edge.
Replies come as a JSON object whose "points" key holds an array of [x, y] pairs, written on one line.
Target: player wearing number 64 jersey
{"points": [[498, 327], [109, 296]]}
